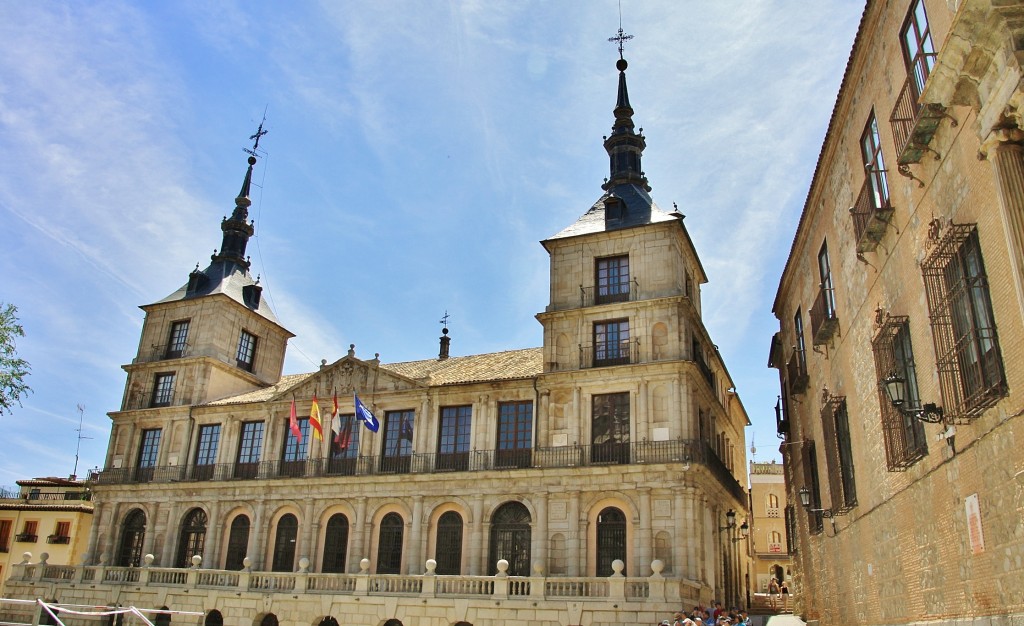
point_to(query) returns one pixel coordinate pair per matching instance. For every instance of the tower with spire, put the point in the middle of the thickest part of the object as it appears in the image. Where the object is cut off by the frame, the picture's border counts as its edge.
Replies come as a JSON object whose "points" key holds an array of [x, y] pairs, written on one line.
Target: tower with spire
{"points": [[213, 337]]}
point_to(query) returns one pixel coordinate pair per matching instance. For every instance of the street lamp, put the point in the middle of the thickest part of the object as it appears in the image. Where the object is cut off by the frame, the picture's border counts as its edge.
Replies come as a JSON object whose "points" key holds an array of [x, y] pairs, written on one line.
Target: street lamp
{"points": [[744, 532], [730, 520], [896, 388], [805, 501]]}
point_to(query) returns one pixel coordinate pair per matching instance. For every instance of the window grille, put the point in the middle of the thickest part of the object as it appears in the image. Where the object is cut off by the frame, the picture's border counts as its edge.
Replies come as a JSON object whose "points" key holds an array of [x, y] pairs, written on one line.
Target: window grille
{"points": [[193, 537], [284, 544], [967, 355], [903, 434], [335, 545], [389, 545], [238, 543], [611, 540], [449, 544], [815, 519], [838, 454]]}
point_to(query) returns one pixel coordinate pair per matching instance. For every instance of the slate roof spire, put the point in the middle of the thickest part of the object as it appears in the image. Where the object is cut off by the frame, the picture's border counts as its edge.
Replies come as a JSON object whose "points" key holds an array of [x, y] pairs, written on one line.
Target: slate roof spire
{"points": [[624, 145], [237, 229]]}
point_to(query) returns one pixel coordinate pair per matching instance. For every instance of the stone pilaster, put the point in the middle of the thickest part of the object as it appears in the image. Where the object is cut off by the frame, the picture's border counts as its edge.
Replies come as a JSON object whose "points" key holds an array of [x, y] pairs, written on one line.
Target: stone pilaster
{"points": [[1006, 153], [576, 540], [681, 548], [539, 539], [307, 526], [214, 530], [257, 535], [645, 539], [415, 563], [360, 549], [476, 531]]}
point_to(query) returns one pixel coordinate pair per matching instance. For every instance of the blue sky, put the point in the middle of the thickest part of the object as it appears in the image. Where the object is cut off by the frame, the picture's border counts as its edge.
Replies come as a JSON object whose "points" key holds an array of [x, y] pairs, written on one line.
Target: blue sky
{"points": [[417, 154]]}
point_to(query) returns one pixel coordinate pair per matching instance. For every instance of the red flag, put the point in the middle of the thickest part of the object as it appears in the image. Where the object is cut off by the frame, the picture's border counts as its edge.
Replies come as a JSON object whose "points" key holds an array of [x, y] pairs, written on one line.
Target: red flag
{"points": [[314, 420], [335, 422], [345, 435], [293, 423]]}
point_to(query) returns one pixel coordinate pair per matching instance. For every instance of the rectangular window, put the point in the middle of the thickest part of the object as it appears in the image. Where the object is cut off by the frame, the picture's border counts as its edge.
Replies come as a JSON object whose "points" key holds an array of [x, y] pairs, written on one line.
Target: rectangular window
{"points": [[874, 165], [29, 532], [149, 446], [809, 458], [295, 450], [178, 339], [206, 452], [515, 434], [903, 434], [398, 434], [5, 535], [163, 389], [246, 356], [345, 446], [797, 364], [838, 453], [250, 444], [61, 533], [609, 428], [453, 438], [823, 312], [611, 343], [825, 283], [963, 326], [612, 279], [918, 49]]}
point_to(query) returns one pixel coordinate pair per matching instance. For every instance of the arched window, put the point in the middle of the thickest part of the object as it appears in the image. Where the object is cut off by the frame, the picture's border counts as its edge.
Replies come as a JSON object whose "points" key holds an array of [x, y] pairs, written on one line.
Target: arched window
{"points": [[328, 621], [611, 540], [510, 539], [335, 545], [193, 537], [162, 619], [238, 543], [214, 618], [269, 620], [284, 544], [389, 545], [448, 550], [133, 531], [773, 501]]}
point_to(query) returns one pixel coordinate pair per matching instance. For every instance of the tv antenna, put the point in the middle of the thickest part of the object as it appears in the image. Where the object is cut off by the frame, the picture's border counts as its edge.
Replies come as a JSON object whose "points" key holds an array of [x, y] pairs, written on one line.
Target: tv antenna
{"points": [[81, 418]]}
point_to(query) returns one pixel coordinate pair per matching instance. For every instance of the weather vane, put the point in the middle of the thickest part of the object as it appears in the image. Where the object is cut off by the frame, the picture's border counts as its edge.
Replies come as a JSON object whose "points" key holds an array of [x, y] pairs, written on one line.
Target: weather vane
{"points": [[620, 37], [444, 319], [259, 133]]}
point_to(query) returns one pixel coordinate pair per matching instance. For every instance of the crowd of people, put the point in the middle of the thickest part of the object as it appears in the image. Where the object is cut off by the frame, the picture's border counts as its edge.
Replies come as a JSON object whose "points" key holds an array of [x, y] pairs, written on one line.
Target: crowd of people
{"points": [[709, 616]]}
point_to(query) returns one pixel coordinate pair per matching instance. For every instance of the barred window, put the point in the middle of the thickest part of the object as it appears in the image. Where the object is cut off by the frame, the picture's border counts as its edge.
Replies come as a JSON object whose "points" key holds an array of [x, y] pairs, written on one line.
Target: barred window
{"points": [[967, 352], [815, 520], [903, 433], [838, 454]]}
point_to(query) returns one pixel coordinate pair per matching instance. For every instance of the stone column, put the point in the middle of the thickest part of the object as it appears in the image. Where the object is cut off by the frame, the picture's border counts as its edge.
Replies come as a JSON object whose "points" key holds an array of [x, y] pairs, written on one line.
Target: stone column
{"points": [[211, 546], [541, 422], [577, 416], [642, 429], [576, 540], [308, 546], [415, 563], [359, 544], [645, 538], [1006, 154], [539, 537], [257, 535], [476, 532], [421, 428]]}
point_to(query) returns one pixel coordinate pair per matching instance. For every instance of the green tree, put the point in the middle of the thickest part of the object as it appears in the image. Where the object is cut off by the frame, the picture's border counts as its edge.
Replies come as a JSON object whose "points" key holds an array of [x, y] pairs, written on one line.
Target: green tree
{"points": [[13, 370]]}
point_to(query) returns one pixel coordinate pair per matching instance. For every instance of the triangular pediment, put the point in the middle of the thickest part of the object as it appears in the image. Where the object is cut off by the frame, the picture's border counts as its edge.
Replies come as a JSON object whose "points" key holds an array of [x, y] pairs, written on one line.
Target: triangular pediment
{"points": [[350, 375]]}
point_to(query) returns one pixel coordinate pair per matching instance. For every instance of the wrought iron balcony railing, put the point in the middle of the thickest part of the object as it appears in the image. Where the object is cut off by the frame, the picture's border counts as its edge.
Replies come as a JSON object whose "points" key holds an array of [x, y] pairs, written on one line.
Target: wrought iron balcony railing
{"points": [[796, 371], [872, 212], [612, 353], [823, 316], [606, 294], [677, 451], [58, 539], [914, 123]]}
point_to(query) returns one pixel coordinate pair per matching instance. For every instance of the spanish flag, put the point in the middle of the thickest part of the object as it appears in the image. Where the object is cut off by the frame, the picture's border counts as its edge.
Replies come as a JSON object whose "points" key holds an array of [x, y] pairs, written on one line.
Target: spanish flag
{"points": [[314, 420]]}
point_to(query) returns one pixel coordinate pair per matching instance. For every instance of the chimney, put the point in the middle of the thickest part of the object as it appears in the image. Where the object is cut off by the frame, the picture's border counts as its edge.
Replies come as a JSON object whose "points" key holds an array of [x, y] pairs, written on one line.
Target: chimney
{"points": [[445, 341]]}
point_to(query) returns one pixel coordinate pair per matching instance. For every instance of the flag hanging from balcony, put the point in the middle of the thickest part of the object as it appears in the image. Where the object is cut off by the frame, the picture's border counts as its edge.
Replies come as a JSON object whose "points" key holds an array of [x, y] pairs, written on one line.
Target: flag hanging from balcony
{"points": [[364, 414], [406, 432], [344, 438], [293, 423], [335, 419], [314, 420]]}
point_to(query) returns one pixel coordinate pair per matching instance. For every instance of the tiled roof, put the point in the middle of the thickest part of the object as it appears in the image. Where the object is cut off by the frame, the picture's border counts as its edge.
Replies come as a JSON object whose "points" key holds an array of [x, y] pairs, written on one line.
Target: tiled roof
{"points": [[226, 278], [262, 395], [640, 210], [507, 365]]}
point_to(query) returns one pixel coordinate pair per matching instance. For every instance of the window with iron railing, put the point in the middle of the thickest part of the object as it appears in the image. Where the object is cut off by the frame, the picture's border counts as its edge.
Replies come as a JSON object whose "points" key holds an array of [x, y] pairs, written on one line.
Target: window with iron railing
{"points": [[611, 343], [902, 432], [163, 389], [612, 279], [149, 446], [797, 366], [823, 312], [835, 424], [5, 535], [918, 49], [790, 517], [971, 375], [178, 339], [872, 210], [295, 450], [453, 437], [246, 356], [809, 463]]}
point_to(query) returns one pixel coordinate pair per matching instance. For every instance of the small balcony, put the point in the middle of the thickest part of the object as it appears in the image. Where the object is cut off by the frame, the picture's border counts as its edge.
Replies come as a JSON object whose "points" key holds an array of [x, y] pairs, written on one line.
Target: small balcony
{"points": [[60, 539], [621, 352], [914, 124], [796, 372], [607, 294], [26, 538], [872, 212], [824, 322]]}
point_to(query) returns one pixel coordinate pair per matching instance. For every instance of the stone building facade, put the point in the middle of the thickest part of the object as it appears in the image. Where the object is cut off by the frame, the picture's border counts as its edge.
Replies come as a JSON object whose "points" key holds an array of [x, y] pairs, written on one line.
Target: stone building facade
{"points": [[770, 514], [900, 314], [582, 482]]}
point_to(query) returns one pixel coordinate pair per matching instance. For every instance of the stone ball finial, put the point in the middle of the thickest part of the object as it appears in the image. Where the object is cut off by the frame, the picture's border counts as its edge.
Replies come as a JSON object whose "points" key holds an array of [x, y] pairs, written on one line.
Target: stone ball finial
{"points": [[657, 566], [621, 65], [247, 564], [431, 566], [197, 560], [44, 557], [617, 567], [364, 566], [148, 559], [252, 160], [26, 558], [303, 565], [502, 567], [103, 559]]}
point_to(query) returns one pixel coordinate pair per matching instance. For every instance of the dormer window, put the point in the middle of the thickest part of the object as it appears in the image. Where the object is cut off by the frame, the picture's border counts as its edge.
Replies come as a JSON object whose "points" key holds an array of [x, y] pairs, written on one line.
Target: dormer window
{"points": [[612, 279], [613, 209], [177, 341], [246, 351]]}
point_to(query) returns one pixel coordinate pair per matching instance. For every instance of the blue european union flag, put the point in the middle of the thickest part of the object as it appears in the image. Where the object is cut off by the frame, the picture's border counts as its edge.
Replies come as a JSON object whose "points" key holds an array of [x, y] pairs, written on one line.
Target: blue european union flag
{"points": [[364, 414]]}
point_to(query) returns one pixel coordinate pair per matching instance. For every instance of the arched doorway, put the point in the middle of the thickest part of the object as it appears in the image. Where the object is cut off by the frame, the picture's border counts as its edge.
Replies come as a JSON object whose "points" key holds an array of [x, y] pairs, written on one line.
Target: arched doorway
{"points": [[510, 539], [448, 548], [335, 545], [238, 543], [214, 618], [284, 544], [192, 538], [162, 619], [389, 544], [133, 531], [611, 540], [269, 620], [328, 621]]}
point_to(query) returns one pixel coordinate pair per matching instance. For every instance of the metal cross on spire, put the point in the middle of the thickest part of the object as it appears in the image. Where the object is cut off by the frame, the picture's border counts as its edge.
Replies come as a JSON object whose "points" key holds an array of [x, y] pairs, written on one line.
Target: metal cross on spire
{"points": [[444, 320], [620, 38], [259, 133]]}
